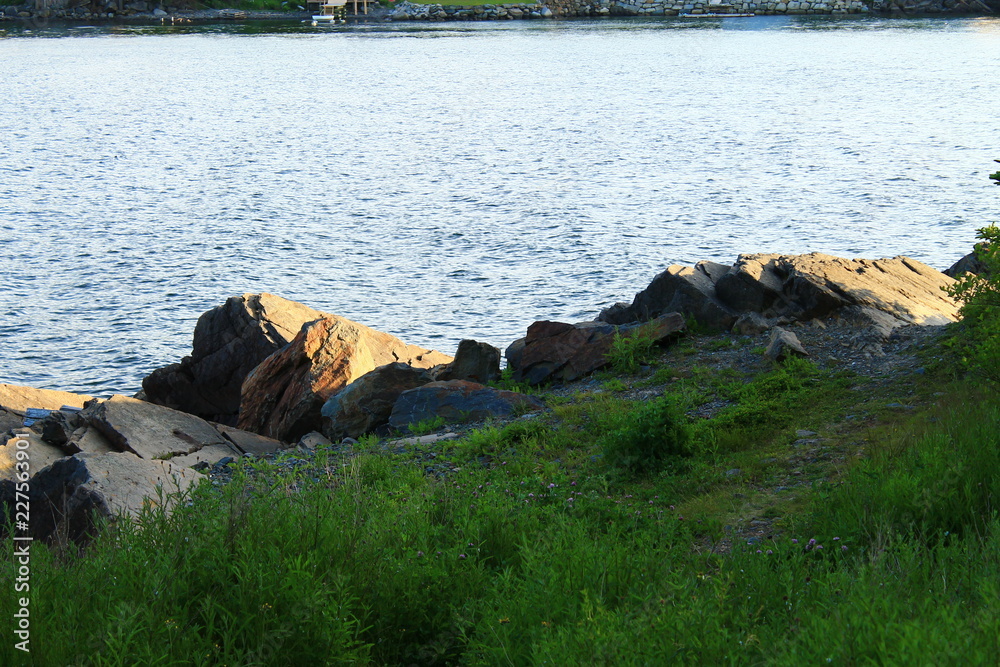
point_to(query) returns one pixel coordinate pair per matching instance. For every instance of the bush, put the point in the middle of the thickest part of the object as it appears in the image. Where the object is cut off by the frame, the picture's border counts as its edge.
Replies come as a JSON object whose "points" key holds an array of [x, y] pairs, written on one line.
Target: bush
{"points": [[629, 352], [979, 336], [646, 439]]}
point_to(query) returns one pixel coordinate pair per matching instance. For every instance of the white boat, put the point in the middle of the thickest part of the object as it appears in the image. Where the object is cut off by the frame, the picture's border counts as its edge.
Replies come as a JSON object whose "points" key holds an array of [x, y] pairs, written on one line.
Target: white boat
{"points": [[331, 11]]}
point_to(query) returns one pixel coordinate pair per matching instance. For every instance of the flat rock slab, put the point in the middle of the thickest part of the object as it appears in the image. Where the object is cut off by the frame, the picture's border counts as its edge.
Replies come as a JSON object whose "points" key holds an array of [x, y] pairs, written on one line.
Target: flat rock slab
{"points": [[210, 455], [457, 401], [91, 441], [16, 398], [67, 495], [250, 443], [151, 431], [422, 439]]}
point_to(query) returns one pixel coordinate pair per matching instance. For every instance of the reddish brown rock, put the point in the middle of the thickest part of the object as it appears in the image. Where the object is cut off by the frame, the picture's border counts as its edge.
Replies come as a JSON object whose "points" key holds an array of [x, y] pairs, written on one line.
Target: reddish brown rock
{"points": [[559, 352], [283, 396]]}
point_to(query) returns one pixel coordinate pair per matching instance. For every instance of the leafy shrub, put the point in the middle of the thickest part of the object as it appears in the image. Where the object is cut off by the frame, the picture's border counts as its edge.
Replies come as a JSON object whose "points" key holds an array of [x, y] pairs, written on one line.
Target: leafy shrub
{"points": [[979, 336], [646, 439], [629, 352]]}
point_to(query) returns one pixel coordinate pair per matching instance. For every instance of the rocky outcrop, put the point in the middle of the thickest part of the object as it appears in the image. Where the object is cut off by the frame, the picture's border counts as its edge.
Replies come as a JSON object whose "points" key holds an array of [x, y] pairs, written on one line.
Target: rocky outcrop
{"points": [[679, 289], [795, 288], [70, 495], [122, 424], [282, 398], [457, 401], [229, 342], [109, 458], [364, 406], [559, 352]]}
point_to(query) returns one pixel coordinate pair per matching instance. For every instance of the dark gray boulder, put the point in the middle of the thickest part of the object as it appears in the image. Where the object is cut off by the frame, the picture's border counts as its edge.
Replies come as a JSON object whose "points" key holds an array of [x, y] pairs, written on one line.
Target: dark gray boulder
{"points": [[457, 401], [474, 361], [365, 405]]}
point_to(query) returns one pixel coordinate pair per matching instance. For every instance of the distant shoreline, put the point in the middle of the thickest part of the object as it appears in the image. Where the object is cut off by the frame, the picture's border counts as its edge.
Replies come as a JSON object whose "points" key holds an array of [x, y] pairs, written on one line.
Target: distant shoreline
{"points": [[407, 12]]}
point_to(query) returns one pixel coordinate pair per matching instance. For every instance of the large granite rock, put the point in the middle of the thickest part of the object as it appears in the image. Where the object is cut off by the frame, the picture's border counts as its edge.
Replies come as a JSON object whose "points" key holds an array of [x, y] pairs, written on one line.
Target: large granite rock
{"points": [[229, 342], [559, 352], [70, 494], [282, 398], [364, 406], [457, 401], [795, 287]]}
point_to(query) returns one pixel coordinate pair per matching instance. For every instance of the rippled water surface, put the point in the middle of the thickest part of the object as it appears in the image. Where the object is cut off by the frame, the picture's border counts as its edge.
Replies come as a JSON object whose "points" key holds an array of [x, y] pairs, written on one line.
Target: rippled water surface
{"points": [[448, 181]]}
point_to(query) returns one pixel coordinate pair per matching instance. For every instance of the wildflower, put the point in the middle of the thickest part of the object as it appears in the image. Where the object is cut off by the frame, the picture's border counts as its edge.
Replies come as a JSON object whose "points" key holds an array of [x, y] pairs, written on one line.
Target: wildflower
{"points": [[504, 620], [462, 556], [843, 547], [552, 486], [572, 483], [759, 551], [794, 541], [836, 539], [420, 554], [769, 552]]}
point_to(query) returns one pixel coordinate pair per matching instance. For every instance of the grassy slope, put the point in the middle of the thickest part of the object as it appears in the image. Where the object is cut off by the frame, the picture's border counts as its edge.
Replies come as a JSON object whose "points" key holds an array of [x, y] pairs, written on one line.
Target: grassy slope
{"points": [[522, 544]]}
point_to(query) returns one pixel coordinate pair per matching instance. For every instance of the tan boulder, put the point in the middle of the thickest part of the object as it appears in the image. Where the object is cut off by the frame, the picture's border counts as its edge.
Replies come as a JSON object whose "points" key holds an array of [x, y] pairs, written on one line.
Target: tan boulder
{"points": [[15, 400], [283, 396]]}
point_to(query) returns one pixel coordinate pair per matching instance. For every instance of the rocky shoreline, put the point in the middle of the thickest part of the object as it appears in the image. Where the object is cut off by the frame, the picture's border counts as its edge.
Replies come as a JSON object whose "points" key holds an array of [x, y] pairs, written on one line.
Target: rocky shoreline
{"points": [[267, 375]]}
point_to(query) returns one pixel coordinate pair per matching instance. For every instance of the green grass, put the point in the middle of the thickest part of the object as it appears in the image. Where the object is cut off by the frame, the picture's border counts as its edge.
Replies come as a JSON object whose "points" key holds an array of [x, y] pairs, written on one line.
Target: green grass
{"points": [[547, 547]]}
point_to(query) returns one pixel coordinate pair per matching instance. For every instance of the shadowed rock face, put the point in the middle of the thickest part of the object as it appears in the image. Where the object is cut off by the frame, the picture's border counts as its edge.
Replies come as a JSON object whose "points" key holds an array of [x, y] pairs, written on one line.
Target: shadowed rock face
{"points": [[796, 287], [283, 396], [229, 342]]}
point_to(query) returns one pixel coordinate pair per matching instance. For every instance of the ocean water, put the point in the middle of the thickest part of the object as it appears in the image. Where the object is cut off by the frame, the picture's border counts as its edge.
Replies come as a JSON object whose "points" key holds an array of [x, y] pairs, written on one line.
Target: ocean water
{"points": [[460, 180]]}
